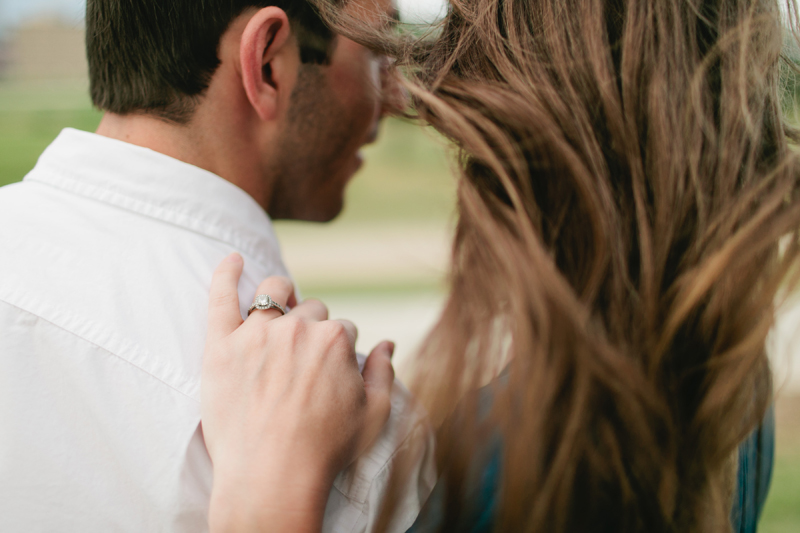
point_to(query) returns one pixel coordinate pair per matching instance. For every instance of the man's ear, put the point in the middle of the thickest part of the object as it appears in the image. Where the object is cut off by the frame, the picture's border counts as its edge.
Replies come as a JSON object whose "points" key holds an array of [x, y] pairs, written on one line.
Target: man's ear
{"points": [[265, 35]]}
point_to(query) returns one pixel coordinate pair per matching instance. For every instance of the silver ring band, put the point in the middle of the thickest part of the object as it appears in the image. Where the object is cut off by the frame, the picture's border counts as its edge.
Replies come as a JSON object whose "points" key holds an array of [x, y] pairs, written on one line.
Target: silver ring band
{"points": [[263, 302]]}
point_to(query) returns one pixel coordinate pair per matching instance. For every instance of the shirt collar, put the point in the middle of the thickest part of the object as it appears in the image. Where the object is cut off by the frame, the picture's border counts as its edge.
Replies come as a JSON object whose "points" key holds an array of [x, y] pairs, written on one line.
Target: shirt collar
{"points": [[156, 185]]}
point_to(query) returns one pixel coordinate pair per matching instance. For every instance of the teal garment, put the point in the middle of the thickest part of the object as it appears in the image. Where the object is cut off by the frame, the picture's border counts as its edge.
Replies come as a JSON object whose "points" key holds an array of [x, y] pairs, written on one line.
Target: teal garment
{"points": [[479, 515], [756, 458]]}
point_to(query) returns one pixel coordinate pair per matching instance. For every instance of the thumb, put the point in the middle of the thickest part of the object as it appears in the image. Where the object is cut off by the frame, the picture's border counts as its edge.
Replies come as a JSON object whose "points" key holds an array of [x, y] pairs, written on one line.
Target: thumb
{"points": [[378, 379]]}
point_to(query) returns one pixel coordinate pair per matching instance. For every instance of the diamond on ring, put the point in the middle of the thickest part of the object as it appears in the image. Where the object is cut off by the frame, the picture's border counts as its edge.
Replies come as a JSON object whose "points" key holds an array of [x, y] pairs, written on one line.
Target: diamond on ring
{"points": [[264, 302]]}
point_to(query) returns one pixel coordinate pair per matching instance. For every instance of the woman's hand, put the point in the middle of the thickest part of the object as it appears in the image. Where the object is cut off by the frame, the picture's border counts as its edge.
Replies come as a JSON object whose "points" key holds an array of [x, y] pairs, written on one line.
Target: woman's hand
{"points": [[284, 407]]}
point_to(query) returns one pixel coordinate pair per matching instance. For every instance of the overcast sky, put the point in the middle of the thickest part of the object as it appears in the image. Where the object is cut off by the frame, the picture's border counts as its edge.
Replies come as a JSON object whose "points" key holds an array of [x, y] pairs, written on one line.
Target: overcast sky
{"points": [[14, 11]]}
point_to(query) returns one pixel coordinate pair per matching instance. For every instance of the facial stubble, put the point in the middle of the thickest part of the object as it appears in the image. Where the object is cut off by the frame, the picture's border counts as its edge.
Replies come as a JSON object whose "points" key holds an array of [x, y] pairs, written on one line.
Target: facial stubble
{"points": [[308, 184]]}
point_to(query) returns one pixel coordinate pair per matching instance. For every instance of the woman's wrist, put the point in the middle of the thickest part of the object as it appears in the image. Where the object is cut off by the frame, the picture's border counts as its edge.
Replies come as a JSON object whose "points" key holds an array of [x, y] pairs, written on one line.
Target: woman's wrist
{"points": [[245, 516], [291, 500]]}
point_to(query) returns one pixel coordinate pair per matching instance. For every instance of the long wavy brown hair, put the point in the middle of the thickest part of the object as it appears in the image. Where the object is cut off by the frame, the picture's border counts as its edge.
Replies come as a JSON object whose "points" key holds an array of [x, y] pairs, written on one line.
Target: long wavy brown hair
{"points": [[628, 218]]}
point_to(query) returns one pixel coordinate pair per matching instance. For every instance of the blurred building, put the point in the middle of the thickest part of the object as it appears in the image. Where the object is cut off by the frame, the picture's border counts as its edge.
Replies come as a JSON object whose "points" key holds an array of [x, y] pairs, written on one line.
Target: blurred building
{"points": [[44, 49]]}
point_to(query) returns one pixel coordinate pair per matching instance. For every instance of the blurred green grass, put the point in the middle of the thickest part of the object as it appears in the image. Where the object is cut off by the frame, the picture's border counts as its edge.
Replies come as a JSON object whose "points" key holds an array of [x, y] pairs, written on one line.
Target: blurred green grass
{"points": [[782, 511], [32, 115], [25, 134]]}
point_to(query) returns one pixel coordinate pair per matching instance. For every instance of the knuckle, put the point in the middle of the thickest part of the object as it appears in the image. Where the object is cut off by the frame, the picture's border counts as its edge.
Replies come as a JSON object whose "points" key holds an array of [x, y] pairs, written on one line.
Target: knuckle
{"points": [[334, 342], [352, 329], [292, 325], [345, 346], [333, 329]]}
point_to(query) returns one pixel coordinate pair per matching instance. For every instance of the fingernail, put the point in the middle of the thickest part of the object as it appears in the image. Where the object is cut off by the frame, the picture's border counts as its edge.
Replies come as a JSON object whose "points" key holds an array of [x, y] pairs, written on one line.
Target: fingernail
{"points": [[390, 347], [234, 258]]}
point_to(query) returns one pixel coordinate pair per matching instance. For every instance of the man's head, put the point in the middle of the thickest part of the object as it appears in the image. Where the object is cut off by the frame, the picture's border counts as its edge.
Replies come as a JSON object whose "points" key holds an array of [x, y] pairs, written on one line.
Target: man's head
{"points": [[158, 57], [270, 97]]}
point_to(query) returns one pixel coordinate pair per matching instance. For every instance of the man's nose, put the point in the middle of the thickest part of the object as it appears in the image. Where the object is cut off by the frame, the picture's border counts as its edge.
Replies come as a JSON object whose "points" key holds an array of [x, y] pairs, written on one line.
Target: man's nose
{"points": [[395, 98]]}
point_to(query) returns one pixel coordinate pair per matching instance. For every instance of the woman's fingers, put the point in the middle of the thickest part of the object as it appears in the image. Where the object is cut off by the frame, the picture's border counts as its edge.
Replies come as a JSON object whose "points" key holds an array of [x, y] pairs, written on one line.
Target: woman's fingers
{"points": [[223, 306], [280, 289], [318, 312], [311, 309], [378, 380], [350, 328]]}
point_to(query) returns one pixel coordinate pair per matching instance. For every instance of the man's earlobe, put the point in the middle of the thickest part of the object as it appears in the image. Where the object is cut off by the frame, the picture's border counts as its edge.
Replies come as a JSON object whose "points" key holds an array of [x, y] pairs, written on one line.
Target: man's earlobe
{"points": [[264, 37]]}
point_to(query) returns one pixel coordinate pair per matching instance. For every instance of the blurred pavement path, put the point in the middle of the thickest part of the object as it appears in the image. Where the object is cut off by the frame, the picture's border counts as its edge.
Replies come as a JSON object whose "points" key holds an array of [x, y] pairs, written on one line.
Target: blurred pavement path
{"points": [[784, 348], [366, 255]]}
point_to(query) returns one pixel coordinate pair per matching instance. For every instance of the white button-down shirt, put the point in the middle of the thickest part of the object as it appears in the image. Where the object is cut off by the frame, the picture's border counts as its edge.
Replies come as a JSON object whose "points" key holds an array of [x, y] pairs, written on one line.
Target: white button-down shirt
{"points": [[106, 255]]}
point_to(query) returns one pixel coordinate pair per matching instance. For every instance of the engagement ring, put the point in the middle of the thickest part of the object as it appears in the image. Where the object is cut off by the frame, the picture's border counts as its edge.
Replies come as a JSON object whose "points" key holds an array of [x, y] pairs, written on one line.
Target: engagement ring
{"points": [[264, 302]]}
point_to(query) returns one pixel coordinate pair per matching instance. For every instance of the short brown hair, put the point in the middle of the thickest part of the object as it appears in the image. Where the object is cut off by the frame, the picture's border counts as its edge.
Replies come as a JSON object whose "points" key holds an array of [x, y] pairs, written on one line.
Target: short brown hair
{"points": [[158, 57]]}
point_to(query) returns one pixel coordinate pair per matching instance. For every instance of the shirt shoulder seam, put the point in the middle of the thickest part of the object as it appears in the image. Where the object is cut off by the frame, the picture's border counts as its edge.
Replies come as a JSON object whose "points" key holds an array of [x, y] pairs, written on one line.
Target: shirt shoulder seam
{"points": [[109, 197], [99, 346]]}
